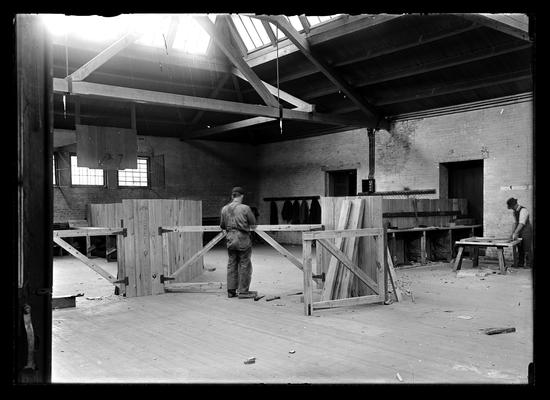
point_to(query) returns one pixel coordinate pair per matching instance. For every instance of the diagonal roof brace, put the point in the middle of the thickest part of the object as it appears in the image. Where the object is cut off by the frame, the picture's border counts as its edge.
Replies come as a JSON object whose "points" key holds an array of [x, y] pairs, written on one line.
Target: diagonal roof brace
{"points": [[236, 58], [302, 43]]}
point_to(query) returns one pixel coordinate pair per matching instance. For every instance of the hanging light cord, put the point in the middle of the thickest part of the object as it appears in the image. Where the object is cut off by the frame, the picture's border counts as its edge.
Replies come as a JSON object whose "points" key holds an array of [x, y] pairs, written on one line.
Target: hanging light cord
{"points": [[278, 98]]}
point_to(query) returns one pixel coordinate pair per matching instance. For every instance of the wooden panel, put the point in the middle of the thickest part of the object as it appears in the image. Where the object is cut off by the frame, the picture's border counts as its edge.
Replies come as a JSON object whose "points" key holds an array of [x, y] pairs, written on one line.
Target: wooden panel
{"points": [[106, 147]]}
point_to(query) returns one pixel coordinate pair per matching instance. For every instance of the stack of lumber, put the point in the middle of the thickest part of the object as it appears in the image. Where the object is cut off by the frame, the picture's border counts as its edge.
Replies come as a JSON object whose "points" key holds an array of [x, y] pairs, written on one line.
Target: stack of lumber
{"points": [[359, 213], [340, 282]]}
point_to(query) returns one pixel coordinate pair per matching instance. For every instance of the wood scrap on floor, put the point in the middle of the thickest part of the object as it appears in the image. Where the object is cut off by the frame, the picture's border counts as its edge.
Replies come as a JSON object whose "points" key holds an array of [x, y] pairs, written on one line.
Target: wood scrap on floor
{"points": [[496, 331]]}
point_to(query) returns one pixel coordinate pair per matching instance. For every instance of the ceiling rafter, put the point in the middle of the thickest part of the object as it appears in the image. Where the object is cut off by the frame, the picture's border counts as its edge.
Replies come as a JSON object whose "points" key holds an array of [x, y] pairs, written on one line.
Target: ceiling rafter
{"points": [[233, 55], [494, 22], [84, 71], [301, 42], [172, 31], [408, 71], [270, 33]]}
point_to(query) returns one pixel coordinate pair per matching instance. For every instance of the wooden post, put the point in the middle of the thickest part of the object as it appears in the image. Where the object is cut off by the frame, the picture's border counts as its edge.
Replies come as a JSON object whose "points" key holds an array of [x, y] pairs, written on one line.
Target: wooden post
{"points": [[88, 247], [458, 260], [501, 262], [394, 247], [423, 248], [515, 256], [475, 259], [381, 252], [165, 256], [451, 247], [308, 291]]}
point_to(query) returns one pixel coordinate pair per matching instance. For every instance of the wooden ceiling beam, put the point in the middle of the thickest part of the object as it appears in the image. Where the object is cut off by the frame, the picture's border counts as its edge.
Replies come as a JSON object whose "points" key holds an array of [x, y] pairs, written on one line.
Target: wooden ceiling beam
{"points": [[235, 36], [137, 52], [214, 93], [172, 31], [301, 42], [95, 90], [458, 87], [270, 33], [408, 71], [233, 55], [105, 55], [336, 28], [282, 94], [497, 23]]}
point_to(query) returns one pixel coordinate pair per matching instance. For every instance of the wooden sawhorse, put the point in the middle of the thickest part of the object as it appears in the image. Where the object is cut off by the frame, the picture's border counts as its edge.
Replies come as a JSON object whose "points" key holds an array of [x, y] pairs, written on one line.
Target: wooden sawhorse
{"points": [[477, 242]]}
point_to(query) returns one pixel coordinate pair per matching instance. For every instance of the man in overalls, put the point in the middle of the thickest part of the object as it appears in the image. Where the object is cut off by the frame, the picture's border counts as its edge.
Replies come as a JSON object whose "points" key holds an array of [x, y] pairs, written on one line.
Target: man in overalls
{"points": [[522, 229], [237, 219]]}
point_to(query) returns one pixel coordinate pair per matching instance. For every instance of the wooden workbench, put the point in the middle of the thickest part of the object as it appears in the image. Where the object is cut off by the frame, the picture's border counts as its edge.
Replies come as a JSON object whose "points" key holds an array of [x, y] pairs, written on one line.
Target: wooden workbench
{"points": [[423, 231], [477, 242]]}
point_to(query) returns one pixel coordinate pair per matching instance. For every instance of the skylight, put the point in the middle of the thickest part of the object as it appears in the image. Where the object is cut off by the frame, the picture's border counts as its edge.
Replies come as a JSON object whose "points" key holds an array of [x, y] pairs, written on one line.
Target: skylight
{"points": [[189, 36]]}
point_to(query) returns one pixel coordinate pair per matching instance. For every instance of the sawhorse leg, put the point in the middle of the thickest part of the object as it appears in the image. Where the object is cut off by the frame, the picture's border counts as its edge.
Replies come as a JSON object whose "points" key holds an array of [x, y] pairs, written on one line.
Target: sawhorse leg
{"points": [[475, 258], [458, 260], [501, 262], [515, 256]]}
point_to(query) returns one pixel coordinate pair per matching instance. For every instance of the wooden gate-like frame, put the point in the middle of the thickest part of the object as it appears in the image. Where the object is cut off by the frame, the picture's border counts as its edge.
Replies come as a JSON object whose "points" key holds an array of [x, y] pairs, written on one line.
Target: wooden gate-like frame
{"points": [[58, 236], [259, 229], [380, 286]]}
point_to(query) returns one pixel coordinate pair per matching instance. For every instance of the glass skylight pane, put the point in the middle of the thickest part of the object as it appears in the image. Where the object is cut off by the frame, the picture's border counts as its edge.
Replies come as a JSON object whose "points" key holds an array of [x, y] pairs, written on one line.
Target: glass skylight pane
{"points": [[190, 37], [296, 23], [313, 20], [278, 32], [261, 31], [251, 31], [242, 32]]}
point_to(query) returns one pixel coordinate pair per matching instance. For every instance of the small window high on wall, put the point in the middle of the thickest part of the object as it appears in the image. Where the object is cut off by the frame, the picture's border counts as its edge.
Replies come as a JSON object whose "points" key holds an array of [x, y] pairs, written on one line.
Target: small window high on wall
{"points": [[135, 177], [85, 176]]}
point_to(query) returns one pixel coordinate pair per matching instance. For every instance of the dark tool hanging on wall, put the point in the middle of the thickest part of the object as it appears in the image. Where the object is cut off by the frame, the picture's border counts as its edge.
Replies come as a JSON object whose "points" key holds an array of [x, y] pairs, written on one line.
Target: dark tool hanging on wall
{"points": [[315, 212], [295, 212], [304, 212], [287, 211]]}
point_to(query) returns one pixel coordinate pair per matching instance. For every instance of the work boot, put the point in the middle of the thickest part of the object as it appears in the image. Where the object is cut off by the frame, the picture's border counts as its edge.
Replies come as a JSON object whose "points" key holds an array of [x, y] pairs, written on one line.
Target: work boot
{"points": [[231, 293], [249, 294]]}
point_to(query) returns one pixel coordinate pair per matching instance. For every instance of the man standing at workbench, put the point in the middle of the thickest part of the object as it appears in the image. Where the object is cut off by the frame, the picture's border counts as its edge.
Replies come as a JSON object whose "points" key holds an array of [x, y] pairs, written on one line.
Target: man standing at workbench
{"points": [[522, 229], [237, 219]]}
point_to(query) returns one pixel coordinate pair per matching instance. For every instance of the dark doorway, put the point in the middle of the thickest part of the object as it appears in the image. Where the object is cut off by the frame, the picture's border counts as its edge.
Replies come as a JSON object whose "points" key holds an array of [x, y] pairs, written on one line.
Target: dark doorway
{"points": [[342, 183], [466, 182]]}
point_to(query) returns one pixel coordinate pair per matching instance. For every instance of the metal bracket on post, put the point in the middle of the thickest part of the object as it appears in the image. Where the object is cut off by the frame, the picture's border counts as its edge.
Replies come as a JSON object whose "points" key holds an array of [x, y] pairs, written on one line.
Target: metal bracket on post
{"points": [[162, 230], [320, 276], [165, 278], [125, 281], [124, 232]]}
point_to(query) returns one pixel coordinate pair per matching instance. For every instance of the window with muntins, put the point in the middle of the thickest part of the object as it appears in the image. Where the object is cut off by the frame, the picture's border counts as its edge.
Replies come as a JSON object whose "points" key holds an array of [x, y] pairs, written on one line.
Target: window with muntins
{"points": [[85, 176], [135, 177]]}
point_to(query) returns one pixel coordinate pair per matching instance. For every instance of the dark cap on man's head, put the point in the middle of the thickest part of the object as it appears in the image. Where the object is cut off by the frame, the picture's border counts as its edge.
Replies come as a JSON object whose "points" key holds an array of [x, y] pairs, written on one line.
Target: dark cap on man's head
{"points": [[511, 202], [237, 189]]}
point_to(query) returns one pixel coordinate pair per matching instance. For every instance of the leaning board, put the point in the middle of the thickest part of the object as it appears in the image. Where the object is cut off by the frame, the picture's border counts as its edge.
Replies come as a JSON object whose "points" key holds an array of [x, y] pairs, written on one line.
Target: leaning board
{"points": [[372, 218]]}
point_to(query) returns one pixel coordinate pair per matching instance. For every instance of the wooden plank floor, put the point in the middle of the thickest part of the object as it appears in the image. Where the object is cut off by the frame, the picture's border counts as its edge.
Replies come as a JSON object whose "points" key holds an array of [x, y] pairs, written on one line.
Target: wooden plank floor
{"points": [[206, 337]]}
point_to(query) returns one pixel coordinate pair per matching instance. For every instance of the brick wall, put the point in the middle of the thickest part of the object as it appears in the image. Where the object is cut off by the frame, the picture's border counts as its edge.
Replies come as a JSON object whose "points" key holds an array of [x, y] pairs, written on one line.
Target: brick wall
{"points": [[193, 170], [409, 156]]}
